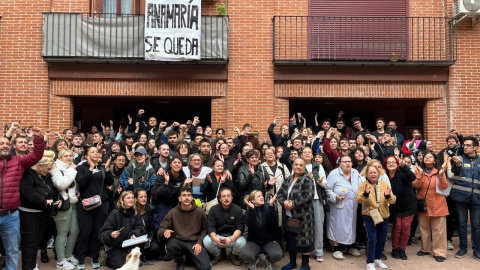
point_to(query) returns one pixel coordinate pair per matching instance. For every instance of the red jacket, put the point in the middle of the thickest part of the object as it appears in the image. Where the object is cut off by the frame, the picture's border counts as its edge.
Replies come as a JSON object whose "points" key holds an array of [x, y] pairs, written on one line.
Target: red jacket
{"points": [[11, 171]]}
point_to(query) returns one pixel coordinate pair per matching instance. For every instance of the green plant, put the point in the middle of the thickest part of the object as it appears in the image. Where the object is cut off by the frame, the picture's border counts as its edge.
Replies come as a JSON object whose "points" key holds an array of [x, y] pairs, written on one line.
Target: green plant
{"points": [[222, 9]]}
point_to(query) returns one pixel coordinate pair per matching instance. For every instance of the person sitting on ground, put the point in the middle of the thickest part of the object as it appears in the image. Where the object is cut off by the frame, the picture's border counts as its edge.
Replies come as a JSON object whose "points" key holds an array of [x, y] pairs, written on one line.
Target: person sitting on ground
{"points": [[225, 227], [185, 227]]}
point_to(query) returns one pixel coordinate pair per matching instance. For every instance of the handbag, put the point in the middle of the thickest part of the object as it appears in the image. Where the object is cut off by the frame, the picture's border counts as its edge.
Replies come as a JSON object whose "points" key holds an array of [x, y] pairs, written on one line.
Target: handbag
{"points": [[94, 201], [213, 202], [375, 214], [293, 225], [422, 204], [65, 203], [52, 209]]}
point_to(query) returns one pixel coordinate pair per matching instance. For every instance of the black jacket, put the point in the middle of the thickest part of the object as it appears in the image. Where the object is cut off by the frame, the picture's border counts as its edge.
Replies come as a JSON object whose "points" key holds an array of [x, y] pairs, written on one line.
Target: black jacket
{"points": [[167, 194], [35, 191], [154, 160], [277, 139], [406, 204], [225, 222], [127, 219], [89, 182], [262, 223], [209, 190]]}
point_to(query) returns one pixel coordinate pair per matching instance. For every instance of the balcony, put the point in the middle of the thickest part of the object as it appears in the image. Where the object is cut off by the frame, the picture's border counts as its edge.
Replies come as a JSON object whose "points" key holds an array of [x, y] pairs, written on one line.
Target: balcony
{"points": [[363, 41], [107, 38]]}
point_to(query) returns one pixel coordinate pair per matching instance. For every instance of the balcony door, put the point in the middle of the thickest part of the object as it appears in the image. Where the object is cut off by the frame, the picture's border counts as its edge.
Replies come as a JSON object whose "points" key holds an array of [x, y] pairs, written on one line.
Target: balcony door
{"points": [[358, 29], [117, 7]]}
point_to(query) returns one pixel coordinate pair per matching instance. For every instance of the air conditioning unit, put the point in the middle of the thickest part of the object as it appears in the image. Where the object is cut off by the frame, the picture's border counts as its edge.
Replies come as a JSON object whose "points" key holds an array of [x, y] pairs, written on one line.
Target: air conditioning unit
{"points": [[471, 8]]}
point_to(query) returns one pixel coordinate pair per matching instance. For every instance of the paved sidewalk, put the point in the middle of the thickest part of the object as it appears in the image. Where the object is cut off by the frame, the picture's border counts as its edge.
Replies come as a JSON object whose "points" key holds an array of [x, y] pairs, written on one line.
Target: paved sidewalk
{"points": [[350, 263]]}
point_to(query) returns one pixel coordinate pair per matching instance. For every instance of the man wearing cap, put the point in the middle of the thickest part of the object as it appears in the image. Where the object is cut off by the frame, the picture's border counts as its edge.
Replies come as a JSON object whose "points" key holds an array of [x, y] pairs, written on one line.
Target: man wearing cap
{"points": [[139, 173]]}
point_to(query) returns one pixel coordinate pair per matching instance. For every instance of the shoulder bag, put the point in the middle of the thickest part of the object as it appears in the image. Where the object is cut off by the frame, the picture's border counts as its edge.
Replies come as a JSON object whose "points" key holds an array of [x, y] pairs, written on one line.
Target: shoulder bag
{"points": [[422, 204], [94, 201], [213, 202], [375, 213]]}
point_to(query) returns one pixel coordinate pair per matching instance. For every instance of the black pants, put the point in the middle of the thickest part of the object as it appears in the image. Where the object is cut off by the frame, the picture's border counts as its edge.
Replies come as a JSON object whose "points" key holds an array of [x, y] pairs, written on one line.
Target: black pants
{"points": [[452, 224], [116, 257], [361, 232], [178, 248], [413, 227], [90, 222], [50, 230], [153, 251], [32, 225], [273, 250]]}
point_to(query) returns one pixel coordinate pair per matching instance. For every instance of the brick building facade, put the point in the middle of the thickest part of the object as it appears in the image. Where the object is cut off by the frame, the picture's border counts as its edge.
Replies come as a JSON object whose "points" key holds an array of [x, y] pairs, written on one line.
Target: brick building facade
{"points": [[249, 87]]}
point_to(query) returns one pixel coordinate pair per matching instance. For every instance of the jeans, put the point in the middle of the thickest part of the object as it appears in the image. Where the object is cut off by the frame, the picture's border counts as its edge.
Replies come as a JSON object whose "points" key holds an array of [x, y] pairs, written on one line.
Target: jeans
{"points": [[377, 236], [10, 231], [213, 249], [462, 213]]}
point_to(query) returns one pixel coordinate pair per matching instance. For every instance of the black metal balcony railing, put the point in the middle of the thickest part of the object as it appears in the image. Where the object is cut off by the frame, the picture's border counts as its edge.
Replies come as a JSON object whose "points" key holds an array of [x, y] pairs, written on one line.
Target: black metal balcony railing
{"points": [[107, 36], [363, 39]]}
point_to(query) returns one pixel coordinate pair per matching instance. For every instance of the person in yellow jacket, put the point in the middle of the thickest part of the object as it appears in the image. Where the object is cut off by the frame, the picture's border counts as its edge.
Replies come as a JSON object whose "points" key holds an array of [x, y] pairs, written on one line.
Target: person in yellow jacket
{"points": [[375, 196]]}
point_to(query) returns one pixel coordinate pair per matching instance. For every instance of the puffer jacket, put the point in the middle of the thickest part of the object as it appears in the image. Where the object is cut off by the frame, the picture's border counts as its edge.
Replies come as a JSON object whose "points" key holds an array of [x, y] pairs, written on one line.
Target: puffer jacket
{"points": [[11, 171], [131, 223], [63, 177], [35, 190], [149, 177]]}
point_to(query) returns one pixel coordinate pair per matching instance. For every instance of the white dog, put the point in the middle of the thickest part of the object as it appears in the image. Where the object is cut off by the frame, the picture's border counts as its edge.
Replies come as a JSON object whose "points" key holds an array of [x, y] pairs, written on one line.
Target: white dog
{"points": [[133, 260]]}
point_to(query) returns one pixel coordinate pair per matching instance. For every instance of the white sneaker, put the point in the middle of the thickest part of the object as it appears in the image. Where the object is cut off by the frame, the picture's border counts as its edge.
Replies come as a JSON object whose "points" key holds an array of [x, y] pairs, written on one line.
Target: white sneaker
{"points": [[338, 255], [72, 260], [380, 264], [51, 243], [320, 258], [354, 252], [371, 266], [36, 267], [449, 245], [65, 265]]}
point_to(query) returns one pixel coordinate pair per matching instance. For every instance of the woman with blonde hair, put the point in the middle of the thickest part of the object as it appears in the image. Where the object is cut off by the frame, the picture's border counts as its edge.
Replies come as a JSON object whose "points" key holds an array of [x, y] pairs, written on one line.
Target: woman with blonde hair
{"points": [[63, 176], [375, 196], [36, 197], [122, 224]]}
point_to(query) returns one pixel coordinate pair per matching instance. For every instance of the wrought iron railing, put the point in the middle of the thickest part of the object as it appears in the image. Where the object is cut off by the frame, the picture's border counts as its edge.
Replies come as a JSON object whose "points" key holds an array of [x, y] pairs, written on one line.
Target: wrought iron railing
{"points": [[108, 36], [366, 39]]}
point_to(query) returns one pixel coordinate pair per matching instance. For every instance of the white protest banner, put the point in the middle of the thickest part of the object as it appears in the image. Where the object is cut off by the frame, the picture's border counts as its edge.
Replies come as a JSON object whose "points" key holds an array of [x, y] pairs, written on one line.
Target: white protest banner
{"points": [[172, 30]]}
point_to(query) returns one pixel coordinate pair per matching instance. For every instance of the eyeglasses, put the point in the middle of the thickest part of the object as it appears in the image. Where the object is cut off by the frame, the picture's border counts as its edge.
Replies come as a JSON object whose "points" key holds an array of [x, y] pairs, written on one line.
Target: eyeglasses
{"points": [[467, 145]]}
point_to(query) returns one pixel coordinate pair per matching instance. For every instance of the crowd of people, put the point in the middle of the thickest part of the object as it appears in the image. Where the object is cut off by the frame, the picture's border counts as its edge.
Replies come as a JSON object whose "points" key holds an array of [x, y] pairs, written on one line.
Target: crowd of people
{"points": [[194, 193]]}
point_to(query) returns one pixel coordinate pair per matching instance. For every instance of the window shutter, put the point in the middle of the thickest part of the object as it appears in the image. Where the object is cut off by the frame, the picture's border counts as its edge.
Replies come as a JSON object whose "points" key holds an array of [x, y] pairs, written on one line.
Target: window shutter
{"points": [[138, 7], [368, 37], [96, 6]]}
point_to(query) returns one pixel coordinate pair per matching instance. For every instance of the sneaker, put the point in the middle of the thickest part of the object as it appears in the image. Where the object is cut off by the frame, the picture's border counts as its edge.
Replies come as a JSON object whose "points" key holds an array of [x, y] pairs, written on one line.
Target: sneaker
{"points": [[65, 265], [414, 240], [44, 256], [180, 265], [371, 266], [72, 260], [449, 245], [402, 254], [354, 252], [383, 256], [270, 265], [36, 267], [461, 253], [51, 243], [289, 267], [320, 258], [253, 265], [338, 255], [476, 255], [396, 253], [81, 266], [439, 258], [380, 264], [422, 253], [216, 259], [95, 265], [234, 259]]}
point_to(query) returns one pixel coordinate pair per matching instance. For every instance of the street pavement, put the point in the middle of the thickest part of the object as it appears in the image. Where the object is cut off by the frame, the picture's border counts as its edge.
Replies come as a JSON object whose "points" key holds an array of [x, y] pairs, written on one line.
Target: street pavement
{"points": [[414, 262]]}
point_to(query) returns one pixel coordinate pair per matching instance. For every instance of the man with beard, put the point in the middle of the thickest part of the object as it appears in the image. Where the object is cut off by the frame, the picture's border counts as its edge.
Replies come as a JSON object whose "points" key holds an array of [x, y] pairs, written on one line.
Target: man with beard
{"points": [[399, 138], [161, 159], [358, 128], [185, 227], [11, 172], [172, 138], [278, 139], [77, 148], [380, 123], [342, 128], [205, 153]]}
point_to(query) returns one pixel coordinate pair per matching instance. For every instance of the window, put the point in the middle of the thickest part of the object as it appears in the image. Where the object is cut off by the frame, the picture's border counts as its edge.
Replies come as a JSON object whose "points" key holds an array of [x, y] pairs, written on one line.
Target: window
{"points": [[117, 7]]}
